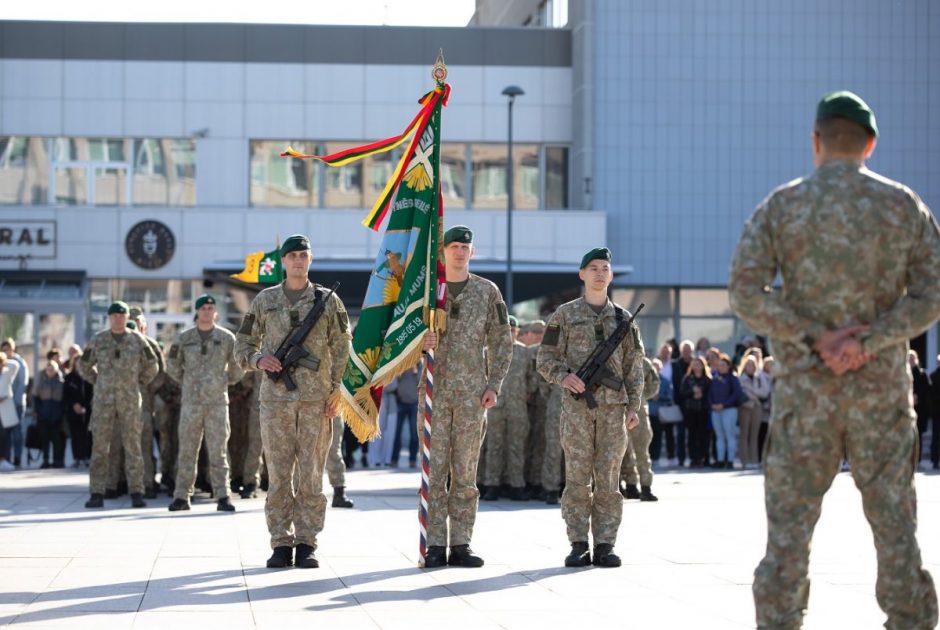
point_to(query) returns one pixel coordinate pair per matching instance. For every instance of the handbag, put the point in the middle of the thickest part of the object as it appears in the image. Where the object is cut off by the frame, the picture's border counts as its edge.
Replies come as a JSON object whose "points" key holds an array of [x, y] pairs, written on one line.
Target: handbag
{"points": [[670, 414], [32, 437]]}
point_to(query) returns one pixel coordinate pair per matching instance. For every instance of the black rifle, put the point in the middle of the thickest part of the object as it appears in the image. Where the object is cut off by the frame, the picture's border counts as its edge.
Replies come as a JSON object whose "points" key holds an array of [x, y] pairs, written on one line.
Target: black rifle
{"points": [[594, 372], [291, 350]]}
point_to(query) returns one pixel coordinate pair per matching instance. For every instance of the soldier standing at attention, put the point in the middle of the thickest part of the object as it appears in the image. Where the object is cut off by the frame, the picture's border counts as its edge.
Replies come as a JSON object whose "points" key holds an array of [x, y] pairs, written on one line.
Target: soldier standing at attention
{"points": [[118, 362], [147, 394], [203, 362], [470, 364], [336, 467], [637, 465], [859, 259], [594, 440], [251, 468], [296, 426]]}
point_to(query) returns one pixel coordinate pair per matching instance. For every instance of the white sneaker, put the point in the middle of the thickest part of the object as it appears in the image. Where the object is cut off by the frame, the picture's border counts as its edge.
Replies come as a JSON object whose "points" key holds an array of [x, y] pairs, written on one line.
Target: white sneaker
{"points": [[6, 466]]}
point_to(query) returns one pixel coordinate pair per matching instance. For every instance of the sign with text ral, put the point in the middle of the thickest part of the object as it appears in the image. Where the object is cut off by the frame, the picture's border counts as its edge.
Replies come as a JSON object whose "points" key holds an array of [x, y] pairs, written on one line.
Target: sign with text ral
{"points": [[27, 239]]}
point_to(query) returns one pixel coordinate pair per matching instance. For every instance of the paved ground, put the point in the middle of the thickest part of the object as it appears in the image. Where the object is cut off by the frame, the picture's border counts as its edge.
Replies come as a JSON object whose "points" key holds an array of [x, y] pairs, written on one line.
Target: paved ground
{"points": [[688, 562]]}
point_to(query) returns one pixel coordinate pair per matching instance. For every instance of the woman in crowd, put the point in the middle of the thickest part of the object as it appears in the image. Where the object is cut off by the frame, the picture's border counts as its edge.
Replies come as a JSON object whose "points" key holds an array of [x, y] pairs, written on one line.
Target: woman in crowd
{"points": [[9, 418], [48, 390], [694, 393], [76, 397], [702, 346], [756, 390], [669, 414], [724, 396]]}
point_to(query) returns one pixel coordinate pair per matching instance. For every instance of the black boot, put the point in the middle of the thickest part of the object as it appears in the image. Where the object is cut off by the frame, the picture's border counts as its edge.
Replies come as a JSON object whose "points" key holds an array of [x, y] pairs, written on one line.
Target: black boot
{"points": [[122, 488], [580, 556], [340, 500], [304, 558], [248, 491], [281, 558], [604, 556], [646, 495], [518, 494], [490, 493], [137, 500], [236, 485], [179, 504], [537, 493], [551, 497], [150, 493], [435, 556], [111, 493], [95, 501], [170, 486], [224, 505], [629, 491], [463, 556]]}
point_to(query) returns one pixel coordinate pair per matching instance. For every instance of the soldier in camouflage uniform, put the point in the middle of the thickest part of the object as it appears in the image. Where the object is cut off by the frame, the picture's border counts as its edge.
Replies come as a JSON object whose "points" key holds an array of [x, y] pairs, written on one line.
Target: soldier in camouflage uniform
{"points": [[471, 361], [551, 441], [251, 467], [594, 440], [336, 467], [147, 395], [296, 426], [507, 425], [203, 362], [531, 335], [166, 419], [117, 362], [239, 409], [859, 259], [637, 465]]}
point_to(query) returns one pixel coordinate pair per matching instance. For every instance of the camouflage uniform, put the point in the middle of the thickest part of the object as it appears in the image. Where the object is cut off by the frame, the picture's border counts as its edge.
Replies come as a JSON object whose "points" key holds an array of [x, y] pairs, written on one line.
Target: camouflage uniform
{"points": [[535, 444], [476, 321], [123, 367], [851, 247], [238, 411], [551, 440], [594, 440], [295, 430], [204, 370], [507, 423], [251, 468], [166, 418], [335, 466], [637, 458]]}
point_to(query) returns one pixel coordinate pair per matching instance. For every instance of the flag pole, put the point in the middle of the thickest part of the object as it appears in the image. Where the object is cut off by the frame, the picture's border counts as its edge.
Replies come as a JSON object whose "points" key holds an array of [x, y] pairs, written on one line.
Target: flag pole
{"points": [[426, 447]]}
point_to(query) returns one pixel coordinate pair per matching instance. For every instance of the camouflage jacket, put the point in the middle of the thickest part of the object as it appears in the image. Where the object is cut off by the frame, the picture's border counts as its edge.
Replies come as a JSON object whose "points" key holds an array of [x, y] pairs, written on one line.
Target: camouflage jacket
{"points": [[521, 380], [650, 380], [851, 247], [204, 370], [475, 350], [267, 323], [569, 340], [154, 385], [118, 369]]}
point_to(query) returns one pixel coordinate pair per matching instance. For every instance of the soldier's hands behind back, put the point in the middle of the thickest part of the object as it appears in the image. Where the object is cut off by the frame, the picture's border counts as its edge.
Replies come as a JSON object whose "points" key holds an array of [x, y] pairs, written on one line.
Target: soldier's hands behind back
{"points": [[573, 384], [488, 399], [841, 350], [269, 363], [632, 420]]}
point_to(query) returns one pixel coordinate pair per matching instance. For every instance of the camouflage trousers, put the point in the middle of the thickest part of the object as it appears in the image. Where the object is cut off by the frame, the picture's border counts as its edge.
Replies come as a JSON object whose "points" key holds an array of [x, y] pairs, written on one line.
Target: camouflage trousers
{"points": [[107, 421], [237, 442], [552, 452], [457, 430], [166, 424], [807, 439], [296, 437], [251, 468], [637, 465], [116, 464], [335, 466], [535, 444], [594, 441], [507, 429], [197, 421]]}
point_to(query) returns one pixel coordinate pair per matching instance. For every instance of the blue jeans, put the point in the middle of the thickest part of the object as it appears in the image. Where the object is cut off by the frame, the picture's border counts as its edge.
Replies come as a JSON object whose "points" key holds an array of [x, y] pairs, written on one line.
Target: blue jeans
{"points": [[407, 416], [17, 436], [726, 433]]}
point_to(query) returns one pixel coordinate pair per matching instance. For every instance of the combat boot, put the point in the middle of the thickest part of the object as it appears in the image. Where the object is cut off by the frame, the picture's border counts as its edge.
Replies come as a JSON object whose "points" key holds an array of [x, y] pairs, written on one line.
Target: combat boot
{"points": [[96, 500], [179, 504], [435, 556], [224, 505], [282, 558], [604, 556], [340, 500], [122, 488], [551, 497], [170, 486], [137, 500], [537, 493], [304, 558], [463, 556], [629, 491], [111, 493], [580, 555], [248, 491], [490, 493], [150, 493], [518, 494], [646, 495]]}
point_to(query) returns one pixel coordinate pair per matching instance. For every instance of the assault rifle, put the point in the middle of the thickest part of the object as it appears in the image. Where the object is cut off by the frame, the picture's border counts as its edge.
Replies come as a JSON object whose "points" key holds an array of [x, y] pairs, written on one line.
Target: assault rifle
{"points": [[594, 372], [291, 351]]}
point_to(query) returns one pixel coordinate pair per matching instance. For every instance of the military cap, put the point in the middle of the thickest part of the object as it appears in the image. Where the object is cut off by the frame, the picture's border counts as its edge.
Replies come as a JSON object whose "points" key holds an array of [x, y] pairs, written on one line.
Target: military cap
{"points": [[458, 234], [204, 299], [131, 324], [295, 243], [845, 104], [134, 312], [117, 307], [598, 253], [513, 321]]}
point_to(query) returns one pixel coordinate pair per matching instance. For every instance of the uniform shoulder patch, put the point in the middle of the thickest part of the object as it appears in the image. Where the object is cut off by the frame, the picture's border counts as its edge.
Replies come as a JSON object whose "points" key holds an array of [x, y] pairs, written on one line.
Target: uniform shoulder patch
{"points": [[552, 333], [174, 351], [502, 313], [248, 324], [343, 317]]}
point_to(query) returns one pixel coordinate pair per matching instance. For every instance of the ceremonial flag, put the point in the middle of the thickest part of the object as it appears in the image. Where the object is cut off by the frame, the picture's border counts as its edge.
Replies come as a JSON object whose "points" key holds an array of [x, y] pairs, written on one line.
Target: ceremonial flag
{"points": [[261, 268]]}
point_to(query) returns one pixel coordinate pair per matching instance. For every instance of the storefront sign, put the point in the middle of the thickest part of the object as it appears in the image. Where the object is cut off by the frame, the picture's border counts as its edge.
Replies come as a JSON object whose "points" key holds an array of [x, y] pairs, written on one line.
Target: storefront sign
{"points": [[150, 244], [27, 239]]}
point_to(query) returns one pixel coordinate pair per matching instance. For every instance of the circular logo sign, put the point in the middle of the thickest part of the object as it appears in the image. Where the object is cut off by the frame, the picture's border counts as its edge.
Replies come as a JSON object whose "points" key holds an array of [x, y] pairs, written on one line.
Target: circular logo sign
{"points": [[150, 244]]}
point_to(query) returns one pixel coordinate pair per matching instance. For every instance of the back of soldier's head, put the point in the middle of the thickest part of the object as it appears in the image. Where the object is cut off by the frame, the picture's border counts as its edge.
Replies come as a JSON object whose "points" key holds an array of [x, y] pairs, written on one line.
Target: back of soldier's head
{"points": [[841, 135]]}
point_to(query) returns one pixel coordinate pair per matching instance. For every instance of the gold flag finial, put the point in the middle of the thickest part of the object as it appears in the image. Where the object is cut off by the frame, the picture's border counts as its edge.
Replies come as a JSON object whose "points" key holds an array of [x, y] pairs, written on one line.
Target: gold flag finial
{"points": [[439, 71]]}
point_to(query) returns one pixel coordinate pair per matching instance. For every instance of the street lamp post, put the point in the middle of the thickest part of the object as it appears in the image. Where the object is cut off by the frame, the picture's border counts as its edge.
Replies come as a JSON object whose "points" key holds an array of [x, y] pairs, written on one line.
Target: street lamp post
{"points": [[512, 92]]}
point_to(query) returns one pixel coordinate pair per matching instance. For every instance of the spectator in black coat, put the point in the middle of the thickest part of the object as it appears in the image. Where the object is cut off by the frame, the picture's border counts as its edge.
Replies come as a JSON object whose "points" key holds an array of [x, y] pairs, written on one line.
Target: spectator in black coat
{"points": [[921, 396], [76, 396]]}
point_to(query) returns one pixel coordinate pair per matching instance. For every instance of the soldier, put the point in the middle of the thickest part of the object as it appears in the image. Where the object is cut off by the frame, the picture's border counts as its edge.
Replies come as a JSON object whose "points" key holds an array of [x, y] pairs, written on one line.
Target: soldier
{"points": [[239, 408], [118, 362], [251, 469], [531, 335], [336, 467], [166, 420], [470, 364], [507, 425], [551, 443], [147, 395], [859, 259], [296, 426], [637, 464], [203, 362], [594, 440]]}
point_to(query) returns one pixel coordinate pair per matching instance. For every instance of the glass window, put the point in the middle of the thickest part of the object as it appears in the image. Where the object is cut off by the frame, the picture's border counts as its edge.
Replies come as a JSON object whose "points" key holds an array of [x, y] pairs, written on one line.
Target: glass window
{"points": [[24, 170], [343, 184], [556, 177], [71, 186], [454, 175], [525, 159], [657, 301], [110, 186], [705, 302], [164, 172], [489, 175], [277, 181], [721, 332]]}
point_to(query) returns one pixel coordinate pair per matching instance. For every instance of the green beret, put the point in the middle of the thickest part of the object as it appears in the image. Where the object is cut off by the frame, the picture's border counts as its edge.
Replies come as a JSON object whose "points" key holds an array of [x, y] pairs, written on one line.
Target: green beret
{"points": [[295, 243], [204, 299], [598, 253], [513, 322], [458, 234], [117, 307], [134, 312], [845, 104], [131, 324]]}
